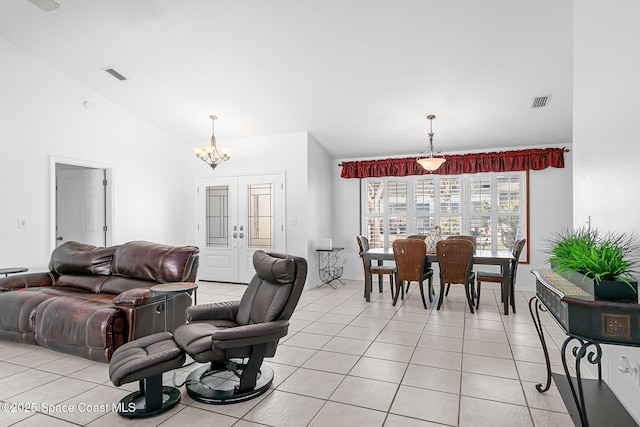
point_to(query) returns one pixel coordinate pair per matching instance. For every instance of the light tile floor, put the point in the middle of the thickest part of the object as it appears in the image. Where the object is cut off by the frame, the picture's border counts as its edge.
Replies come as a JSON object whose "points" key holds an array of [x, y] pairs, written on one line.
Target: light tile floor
{"points": [[345, 362]]}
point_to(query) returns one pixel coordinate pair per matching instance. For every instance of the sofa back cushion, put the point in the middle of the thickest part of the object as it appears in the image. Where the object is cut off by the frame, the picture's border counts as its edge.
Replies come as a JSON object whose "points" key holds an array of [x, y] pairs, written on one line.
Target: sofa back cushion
{"points": [[80, 258], [118, 284], [91, 283], [154, 262]]}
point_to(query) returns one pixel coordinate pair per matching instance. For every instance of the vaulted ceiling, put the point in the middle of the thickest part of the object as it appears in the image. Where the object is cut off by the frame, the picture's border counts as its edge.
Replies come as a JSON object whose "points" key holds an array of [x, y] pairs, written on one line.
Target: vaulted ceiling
{"points": [[359, 75]]}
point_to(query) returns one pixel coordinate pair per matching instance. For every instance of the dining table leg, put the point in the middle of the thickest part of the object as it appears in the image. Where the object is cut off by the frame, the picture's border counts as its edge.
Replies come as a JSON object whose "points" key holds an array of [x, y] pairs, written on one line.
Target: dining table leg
{"points": [[367, 280], [506, 291]]}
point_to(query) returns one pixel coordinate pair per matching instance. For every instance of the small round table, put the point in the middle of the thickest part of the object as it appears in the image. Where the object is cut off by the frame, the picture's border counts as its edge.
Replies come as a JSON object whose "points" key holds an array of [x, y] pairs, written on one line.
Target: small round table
{"points": [[174, 288]]}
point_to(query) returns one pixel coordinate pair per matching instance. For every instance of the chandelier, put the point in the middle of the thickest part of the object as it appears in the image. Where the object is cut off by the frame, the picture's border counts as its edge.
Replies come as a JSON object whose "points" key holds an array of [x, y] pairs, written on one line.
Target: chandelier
{"points": [[211, 154], [431, 163]]}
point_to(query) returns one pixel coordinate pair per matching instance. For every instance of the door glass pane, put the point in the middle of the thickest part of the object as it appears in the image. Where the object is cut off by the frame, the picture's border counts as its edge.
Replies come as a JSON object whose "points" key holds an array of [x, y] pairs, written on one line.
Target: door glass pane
{"points": [[217, 216], [261, 221]]}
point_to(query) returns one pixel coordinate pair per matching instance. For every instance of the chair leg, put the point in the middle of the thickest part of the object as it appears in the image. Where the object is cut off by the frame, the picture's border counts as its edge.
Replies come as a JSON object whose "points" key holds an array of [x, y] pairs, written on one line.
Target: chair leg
{"points": [[391, 284], [422, 294], [447, 291], [513, 296], [441, 295], [478, 297], [469, 296], [399, 288], [380, 283], [430, 289]]}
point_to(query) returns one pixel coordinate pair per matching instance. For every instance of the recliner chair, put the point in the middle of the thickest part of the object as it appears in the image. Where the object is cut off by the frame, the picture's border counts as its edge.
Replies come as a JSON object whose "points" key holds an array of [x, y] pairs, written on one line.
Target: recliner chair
{"points": [[227, 333]]}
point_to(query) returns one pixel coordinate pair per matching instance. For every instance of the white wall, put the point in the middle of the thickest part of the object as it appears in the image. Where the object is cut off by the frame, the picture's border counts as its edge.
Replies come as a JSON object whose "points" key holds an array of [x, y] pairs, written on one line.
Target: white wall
{"points": [[605, 133], [320, 205], [549, 204], [42, 115]]}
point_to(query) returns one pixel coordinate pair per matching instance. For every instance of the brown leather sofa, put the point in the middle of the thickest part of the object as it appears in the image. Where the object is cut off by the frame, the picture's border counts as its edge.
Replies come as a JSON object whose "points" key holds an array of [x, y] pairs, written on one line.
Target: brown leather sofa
{"points": [[93, 299]]}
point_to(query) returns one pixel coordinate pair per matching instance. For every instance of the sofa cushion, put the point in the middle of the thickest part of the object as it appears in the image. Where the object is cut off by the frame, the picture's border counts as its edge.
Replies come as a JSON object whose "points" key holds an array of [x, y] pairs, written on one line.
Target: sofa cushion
{"points": [[86, 282], [80, 258], [118, 284], [154, 262], [92, 329]]}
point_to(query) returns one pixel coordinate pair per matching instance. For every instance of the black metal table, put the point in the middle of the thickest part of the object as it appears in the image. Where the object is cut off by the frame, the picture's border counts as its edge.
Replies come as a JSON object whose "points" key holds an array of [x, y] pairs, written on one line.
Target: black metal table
{"points": [[327, 266]]}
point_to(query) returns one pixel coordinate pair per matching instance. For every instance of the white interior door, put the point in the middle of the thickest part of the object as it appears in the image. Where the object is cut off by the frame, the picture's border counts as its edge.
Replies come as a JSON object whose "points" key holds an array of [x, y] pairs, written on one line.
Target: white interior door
{"points": [[80, 206], [236, 216]]}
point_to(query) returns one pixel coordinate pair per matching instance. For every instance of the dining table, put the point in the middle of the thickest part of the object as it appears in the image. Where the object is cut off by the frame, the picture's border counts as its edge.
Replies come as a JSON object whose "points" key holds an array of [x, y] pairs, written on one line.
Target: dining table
{"points": [[503, 258]]}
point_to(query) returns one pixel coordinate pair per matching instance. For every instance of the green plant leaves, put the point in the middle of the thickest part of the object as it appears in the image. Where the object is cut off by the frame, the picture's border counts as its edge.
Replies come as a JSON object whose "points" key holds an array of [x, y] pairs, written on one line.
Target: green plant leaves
{"points": [[612, 256]]}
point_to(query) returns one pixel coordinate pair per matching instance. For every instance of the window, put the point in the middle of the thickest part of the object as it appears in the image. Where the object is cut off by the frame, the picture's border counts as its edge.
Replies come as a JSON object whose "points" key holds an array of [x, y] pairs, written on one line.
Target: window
{"points": [[491, 207]]}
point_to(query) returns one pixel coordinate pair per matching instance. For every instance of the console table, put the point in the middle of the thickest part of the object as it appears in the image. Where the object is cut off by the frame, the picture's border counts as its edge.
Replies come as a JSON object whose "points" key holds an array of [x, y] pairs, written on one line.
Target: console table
{"points": [[327, 266], [585, 320]]}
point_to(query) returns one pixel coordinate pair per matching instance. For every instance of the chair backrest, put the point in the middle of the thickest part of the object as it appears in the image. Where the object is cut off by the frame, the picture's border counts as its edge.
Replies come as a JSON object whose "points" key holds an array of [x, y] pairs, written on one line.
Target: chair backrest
{"points": [[409, 255], [274, 291], [363, 244], [417, 236], [455, 259], [464, 237], [518, 246]]}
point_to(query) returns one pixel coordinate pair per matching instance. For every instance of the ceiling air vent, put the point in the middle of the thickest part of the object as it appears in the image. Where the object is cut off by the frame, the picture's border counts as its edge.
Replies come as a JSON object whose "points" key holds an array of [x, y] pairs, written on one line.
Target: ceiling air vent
{"points": [[541, 101], [115, 74]]}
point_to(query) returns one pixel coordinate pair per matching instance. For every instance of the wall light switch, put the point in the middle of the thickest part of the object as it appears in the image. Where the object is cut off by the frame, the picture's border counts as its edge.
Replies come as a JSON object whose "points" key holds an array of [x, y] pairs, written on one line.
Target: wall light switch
{"points": [[22, 223]]}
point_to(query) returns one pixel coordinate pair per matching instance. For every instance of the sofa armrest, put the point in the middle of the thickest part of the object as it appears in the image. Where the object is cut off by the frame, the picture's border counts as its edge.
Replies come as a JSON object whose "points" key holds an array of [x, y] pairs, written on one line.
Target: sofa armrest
{"points": [[134, 297], [28, 280], [226, 310], [246, 335]]}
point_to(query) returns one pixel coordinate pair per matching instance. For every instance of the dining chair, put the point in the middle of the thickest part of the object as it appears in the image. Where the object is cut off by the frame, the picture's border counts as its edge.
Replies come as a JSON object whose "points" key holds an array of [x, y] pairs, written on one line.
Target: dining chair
{"points": [[410, 256], [417, 236], [485, 276], [455, 258], [381, 270], [461, 237], [464, 237]]}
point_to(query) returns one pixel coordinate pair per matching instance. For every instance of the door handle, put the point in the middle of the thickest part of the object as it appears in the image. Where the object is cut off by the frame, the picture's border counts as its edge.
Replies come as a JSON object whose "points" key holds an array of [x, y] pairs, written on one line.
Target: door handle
{"points": [[59, 238], [241, 235], [235, 235]]}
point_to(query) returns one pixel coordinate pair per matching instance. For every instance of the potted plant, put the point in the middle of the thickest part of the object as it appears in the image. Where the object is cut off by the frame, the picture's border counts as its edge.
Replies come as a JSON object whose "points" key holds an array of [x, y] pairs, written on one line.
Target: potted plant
{"points": [[602, 265]]}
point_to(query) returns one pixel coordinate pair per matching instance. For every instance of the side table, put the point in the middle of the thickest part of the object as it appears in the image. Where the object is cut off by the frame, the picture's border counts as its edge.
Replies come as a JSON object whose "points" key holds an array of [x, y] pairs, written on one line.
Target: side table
{"points": [[174, 288], [327, 269], [12, 270]]}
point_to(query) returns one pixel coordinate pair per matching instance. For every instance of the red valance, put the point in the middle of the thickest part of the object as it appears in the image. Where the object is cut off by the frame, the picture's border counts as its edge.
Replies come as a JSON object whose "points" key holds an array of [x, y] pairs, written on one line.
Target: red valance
{"points": [[504, 161]]}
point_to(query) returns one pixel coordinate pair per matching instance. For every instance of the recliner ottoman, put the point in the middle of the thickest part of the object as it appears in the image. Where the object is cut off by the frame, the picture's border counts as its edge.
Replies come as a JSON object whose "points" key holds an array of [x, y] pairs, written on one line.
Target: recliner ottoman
{"points": [[145, 360]]}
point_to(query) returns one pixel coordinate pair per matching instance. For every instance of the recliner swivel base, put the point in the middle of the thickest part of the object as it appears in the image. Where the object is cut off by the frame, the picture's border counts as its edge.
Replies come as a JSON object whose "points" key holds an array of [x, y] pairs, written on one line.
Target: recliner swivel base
{"points": [[215, 384], [139, 404]]}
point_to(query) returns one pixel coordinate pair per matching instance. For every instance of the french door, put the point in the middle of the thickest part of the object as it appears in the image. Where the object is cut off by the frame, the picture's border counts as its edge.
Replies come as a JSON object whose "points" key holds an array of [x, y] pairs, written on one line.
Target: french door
{"points": [[236, 216]]}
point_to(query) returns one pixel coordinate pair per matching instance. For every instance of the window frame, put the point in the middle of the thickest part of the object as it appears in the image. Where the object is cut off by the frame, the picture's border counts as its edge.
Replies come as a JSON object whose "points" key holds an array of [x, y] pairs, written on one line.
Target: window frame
{"points": [[465, 211]]}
